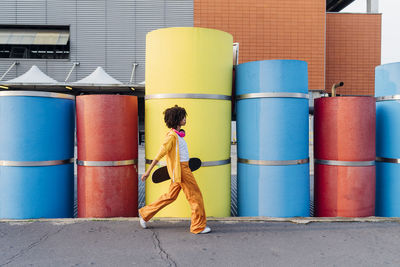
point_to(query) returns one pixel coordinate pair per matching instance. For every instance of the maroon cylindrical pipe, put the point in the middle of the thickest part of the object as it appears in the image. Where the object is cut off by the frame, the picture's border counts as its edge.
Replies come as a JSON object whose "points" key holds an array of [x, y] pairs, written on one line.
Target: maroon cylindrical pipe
{"points": [[107, 132], [344, 134]]}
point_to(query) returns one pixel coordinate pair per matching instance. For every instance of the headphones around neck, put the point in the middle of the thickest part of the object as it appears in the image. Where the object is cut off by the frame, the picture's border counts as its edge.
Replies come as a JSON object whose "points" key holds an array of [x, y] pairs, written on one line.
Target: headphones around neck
{"points": [[181, 132]]}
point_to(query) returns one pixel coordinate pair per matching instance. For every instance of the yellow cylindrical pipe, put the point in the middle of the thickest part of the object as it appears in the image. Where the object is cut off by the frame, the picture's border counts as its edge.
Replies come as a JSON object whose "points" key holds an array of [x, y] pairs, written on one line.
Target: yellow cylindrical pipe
{"points": [[191, 61]]}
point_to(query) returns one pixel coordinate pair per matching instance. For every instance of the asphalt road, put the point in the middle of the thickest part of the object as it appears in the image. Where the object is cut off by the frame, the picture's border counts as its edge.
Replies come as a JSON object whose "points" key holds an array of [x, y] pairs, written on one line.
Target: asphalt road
{"points": [[121, 242]]}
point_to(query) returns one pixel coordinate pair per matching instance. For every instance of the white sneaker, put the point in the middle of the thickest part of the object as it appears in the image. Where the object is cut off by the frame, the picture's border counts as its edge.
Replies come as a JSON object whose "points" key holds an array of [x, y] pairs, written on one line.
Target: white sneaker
{"points": [[142, 222], [206, 230]]}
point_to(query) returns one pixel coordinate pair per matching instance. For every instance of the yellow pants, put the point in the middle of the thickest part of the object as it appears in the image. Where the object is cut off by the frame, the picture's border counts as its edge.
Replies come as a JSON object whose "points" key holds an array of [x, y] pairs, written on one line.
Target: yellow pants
{"points": [[193, 195]]}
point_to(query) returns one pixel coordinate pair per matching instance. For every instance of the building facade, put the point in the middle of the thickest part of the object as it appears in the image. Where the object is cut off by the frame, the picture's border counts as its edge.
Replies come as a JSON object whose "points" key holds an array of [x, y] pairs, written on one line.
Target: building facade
{"points": [[353, 50], [112, 34], [106, 33]]}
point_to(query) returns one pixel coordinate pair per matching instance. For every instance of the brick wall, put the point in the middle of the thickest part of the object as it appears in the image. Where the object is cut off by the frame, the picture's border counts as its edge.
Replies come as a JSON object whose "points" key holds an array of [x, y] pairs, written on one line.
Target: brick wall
{"points": [[353, 49], [271, 29]]}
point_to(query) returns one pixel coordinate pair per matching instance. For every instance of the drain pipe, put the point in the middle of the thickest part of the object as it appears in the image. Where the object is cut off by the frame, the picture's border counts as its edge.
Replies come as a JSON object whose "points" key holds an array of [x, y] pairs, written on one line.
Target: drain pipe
{"points": [[334, 86]]}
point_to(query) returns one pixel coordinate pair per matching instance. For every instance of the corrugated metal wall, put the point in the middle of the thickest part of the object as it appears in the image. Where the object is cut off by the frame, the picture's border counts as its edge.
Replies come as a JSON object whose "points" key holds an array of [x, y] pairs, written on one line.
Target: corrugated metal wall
{"points": [[91, 36], [106, 33]]}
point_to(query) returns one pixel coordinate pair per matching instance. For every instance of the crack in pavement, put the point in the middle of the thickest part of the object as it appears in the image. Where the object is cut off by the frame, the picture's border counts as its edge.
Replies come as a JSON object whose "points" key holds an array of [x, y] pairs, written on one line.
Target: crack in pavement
{"points": [[2, 233], [163, 254], [34, 244]]}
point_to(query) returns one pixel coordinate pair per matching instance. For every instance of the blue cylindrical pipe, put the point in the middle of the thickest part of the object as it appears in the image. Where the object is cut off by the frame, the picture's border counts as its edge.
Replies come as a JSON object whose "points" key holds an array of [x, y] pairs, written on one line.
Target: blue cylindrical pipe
{"points": [[272, 134], [387, 85], [37, 128]]}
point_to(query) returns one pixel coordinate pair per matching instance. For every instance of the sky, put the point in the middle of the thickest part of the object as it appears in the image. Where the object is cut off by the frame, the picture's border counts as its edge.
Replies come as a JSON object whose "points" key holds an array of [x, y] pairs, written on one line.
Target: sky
{"points": [[390, 10]]}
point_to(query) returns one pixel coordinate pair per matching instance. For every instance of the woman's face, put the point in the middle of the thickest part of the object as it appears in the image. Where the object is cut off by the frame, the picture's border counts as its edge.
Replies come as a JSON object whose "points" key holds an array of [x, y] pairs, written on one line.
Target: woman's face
{"points": [[183, 122]]}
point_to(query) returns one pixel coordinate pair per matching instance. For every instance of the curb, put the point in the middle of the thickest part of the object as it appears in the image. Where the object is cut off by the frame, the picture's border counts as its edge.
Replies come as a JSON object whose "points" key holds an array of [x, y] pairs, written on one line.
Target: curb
{"points": [[296, 220]]}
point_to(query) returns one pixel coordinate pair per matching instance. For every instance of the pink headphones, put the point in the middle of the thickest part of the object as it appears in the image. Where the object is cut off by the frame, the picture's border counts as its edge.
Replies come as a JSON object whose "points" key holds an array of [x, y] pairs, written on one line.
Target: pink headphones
{"points": [[181, 133]]}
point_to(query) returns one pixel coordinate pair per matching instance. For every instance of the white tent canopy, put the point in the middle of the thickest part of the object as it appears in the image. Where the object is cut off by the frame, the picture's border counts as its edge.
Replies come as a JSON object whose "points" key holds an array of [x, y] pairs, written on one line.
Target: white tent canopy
{"points": [[33, 76], [98, 77], [98, 81]]}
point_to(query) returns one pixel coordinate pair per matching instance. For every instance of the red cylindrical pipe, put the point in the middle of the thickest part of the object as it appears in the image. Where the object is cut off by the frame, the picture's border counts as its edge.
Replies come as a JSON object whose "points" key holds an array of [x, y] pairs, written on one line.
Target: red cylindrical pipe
{"points": [[344, 191], [344, 130], [107, 130]]}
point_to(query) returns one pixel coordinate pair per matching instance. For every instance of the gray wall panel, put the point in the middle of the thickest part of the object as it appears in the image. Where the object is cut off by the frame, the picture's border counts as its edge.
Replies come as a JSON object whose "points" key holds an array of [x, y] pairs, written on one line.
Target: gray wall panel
{"points": [[25, 65], [31, 12], [91, 36], [59, 70], [149, 15], [179, 13], [63, 12], [8, 12], [107, 33], [120, 39]]}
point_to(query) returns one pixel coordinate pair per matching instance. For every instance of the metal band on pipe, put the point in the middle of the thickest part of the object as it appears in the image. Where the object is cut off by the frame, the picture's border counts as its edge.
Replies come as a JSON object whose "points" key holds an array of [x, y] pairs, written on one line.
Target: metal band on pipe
{"points": [[272, 95], [273, 162], [215, 163], [387, 98], [11, 163], [192, 96], [40, 94], [389, 160], [203, 163], [345, 163], [106, 163]]}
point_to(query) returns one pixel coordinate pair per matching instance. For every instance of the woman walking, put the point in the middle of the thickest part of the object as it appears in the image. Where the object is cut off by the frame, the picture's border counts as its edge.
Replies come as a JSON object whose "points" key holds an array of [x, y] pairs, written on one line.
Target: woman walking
{"points": [[177, 156]]}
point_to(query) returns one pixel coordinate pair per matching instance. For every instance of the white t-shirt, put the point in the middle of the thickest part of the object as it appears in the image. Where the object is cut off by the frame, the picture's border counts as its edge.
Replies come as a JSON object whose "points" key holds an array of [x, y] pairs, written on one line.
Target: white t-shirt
{"points": [[183, 150]]}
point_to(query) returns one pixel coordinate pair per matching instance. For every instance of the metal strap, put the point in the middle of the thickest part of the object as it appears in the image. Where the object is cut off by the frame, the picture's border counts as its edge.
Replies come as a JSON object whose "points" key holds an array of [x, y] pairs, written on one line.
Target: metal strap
{"points": [[215, 163], [36, 93], [272, 95], [273, 162], [345, 163], [106, 163], [387, 98], [192, 96], [389, 160], [10, 163], [203, 163]]}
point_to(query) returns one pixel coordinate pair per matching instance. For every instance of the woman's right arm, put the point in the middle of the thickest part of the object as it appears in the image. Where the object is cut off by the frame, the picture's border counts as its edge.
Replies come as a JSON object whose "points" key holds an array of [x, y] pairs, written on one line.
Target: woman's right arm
{"points": [[147, 173], [165, 147]]}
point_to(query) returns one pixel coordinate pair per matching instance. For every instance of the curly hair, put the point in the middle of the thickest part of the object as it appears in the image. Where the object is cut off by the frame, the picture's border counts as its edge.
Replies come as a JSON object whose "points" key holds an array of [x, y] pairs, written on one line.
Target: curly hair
{"points": [[173, 116]]}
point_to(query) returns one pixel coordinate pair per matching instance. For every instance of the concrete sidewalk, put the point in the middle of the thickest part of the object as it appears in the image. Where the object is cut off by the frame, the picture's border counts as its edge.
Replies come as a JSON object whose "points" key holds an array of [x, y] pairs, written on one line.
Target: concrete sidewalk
{"points": [[233, 242]]}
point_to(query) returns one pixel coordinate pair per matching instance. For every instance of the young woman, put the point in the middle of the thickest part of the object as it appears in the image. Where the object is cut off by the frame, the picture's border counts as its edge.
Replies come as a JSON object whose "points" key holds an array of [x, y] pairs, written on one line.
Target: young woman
{"points": [[177, 155]]}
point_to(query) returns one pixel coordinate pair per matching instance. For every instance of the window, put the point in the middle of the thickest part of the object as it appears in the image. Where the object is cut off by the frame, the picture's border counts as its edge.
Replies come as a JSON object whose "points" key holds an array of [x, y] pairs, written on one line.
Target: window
{"points": [[34, 42]]}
